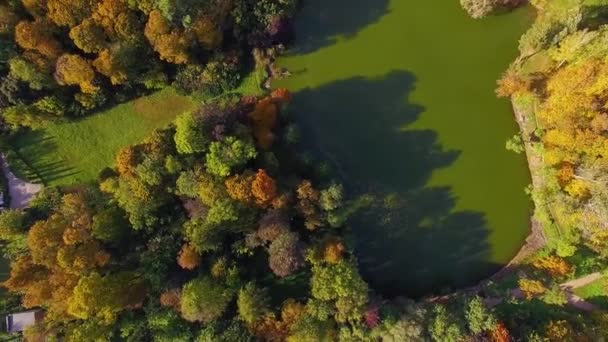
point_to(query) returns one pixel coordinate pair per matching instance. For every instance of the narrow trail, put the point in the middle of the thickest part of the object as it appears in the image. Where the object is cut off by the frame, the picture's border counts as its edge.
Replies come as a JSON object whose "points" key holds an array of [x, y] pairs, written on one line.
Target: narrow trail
{"points": [[568, 287], [21, 192]]}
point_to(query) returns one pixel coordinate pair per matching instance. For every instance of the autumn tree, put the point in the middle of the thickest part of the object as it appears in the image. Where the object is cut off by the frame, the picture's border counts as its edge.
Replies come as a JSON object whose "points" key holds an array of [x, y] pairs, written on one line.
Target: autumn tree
{"points": [[531, 288], [207, 32], [264, 118], [263, 188], [171, 44], [308, 198], [8, 20], [36, 35], [188, 258], [75, 70], [554, 265], [69, 12], [89, 36], [239, 187], [286, 254]]}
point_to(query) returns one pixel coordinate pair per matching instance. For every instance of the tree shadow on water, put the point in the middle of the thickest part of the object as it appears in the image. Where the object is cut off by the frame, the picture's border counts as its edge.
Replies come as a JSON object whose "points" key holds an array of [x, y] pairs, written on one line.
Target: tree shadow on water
{"points": [[322, 22], [410, 241]]}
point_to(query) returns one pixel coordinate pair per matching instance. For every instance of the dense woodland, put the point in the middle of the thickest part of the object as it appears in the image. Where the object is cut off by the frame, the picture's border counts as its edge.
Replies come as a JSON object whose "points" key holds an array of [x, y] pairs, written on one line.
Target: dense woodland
{"points": [[217, 228], [61, 59]]}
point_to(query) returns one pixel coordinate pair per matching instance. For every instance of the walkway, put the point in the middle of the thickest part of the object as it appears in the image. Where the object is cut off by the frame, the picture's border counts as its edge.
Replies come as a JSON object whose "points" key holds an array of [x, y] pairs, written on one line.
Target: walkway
{"points": [[21, 192], [568, 287]]}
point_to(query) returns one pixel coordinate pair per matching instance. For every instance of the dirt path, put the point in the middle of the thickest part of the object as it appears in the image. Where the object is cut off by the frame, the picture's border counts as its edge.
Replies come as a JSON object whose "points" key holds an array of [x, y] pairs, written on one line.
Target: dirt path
{"points": [[580, 282], [21, 192], [568, 287]]}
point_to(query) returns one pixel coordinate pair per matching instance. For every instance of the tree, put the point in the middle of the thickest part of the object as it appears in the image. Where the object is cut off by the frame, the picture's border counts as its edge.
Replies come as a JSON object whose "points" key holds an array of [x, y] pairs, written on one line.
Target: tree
{"points": [[207, 33], [272, 225], [167, 326], [89, 36], [202, 235], [479, 318], [285, 254], [263, 188], [188, 258], [264, 118], [90, 330], [559, 330], [500, 334], [109, 225], [189, 135], [27, 72], [115, 63], [239, 187], [444, 327], [252, 302], [8, 20], [331, 198], [225, 155], [103, 297], [531, 288], [554, 265], [69, 12], [341, 284], [36, 35], [479, 8], [75, 70], [204, 300], [171, 45], [308, 199]]}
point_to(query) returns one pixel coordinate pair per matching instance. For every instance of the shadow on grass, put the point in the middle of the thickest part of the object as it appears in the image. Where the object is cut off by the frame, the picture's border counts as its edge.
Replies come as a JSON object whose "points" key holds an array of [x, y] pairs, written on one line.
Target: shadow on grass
{"points": [[325, 21], [35, 149], [410, 240]]}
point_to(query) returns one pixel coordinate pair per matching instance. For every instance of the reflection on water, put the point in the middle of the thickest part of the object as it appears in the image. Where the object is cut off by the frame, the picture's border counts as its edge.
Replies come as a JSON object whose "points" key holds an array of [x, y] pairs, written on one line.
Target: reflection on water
{"points": [[399, 96]]}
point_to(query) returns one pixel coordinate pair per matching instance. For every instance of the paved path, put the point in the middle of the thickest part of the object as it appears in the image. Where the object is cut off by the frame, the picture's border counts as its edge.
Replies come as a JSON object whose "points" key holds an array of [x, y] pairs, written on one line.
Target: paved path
{"points": [[21, 191]]}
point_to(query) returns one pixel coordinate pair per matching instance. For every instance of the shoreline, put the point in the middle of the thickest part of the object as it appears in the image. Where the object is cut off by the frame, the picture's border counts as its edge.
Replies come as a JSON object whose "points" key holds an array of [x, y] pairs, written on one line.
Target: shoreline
{"points": [[536, 238]]}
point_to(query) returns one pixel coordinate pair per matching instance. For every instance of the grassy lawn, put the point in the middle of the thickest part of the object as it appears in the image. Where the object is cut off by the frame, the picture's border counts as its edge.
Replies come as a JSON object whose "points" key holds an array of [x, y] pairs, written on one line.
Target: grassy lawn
{"points": [[595, 293], [75, 152]]}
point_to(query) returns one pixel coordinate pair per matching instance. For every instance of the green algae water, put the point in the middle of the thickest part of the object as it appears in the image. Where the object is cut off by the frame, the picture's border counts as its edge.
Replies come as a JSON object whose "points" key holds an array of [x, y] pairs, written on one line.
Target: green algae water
{"points": [[399, 96]]}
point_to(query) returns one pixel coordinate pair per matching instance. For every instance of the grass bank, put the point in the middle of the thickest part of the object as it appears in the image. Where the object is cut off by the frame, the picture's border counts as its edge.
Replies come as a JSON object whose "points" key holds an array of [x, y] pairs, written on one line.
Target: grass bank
{"points": [[75, 152]]}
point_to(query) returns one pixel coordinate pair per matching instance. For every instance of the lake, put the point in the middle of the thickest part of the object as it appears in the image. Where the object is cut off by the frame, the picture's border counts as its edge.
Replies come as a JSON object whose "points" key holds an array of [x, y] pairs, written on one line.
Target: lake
{"points": [[399, 96]]}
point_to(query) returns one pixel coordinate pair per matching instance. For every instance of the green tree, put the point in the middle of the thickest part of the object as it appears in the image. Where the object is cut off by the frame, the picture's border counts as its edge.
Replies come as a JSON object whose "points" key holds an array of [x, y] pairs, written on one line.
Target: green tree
{"points": [[479, 317], [225, 155], [252, 302], [204, 300], [444, 326], [189, 135], [342, 284], [28, 73]]}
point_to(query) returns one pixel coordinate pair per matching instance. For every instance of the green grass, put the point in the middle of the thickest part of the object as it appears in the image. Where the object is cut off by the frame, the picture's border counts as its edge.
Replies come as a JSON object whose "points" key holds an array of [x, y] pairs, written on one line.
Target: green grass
{"points": [[75, 152], [595, 293], [595, 289]]}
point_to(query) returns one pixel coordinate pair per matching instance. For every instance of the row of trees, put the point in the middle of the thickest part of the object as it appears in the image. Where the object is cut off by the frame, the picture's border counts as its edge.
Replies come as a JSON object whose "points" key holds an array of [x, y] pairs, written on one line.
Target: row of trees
{"points": [[60, 58], [558, 87], [481, 8]]}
